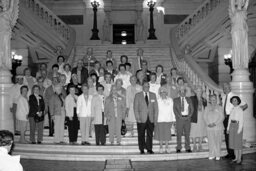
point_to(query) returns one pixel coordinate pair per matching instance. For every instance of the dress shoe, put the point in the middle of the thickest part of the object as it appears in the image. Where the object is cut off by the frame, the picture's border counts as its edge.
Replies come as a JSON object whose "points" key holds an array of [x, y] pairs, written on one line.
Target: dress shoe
{"points": [[217, 158], [142, 152], [39, 142], [211, 158], [233, 161], [178, 151], [239, 162], [188, 151], [150, 152], [33, 142]]}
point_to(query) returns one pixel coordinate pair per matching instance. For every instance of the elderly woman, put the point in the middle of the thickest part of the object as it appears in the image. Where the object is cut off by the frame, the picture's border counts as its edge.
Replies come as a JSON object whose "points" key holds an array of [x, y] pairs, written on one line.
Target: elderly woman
{"points": [[160, 76], [57, 111], [74, 82], [28, 79], [130, 95], [198, 128], [235, 129], [213, 117], [22, 112], [70, 108], [36, 115], [115, 113], [165, 119]]}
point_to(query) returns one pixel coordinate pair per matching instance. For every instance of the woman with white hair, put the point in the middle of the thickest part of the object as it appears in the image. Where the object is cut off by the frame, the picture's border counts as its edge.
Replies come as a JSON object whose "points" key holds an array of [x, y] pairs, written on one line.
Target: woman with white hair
{"points": [[165, 119]]}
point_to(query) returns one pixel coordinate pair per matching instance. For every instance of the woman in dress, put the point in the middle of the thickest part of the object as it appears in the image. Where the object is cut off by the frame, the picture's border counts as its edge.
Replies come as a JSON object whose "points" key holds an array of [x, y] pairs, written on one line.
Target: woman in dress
{"points": [[198, 127], [235, 129], [165, 119], [115, 113], [130, 95], [36, 115], [57, 111], [22, 112], [213, 117]]}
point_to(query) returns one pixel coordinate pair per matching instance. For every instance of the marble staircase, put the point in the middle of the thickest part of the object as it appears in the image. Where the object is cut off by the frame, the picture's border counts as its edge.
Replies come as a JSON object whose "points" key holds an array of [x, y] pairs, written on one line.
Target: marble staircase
{"points": [[154, 53], [127, 150]]}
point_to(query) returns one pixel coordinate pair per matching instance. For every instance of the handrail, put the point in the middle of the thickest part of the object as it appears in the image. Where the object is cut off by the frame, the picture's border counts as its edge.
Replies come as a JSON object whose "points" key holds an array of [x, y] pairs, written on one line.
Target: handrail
{"points": [[49, 17], [199, 15], [191, 70]]}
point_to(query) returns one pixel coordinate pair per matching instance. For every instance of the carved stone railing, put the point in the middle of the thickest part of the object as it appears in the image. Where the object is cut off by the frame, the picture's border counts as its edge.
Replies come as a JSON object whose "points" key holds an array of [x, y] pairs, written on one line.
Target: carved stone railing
{"points": [[48, 26], [49, 17], [192, 71], [197, 16]]}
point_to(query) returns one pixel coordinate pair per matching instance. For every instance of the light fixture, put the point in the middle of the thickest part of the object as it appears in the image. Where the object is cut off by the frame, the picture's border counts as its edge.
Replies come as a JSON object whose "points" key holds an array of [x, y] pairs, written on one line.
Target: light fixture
{"points": [[95, 4], [123, 33], [16, 62], [151, 29], [228, 61], [124, 42]]}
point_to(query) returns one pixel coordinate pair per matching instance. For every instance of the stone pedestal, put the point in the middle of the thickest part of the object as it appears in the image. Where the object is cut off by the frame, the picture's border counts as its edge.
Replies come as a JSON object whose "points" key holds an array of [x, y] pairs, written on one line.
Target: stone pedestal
{"points": [[6, 117], [242, 86]]}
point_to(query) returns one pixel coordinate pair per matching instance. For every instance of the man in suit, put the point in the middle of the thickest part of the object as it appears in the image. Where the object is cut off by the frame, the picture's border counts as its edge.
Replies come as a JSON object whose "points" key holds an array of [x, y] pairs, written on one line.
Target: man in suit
{"points": [[81, 72], [183, 110], [146, 111]]}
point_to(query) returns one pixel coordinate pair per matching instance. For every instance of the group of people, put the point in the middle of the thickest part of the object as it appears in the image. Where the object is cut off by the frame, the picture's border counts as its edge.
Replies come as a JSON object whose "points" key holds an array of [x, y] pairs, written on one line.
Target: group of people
{"points": [[108, 95]]}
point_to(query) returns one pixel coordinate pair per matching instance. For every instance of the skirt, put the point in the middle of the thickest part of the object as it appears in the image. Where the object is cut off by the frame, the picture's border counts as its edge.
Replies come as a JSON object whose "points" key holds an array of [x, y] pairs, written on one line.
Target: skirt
{"points": [[163, 131], [198, 129], [235, 140]]}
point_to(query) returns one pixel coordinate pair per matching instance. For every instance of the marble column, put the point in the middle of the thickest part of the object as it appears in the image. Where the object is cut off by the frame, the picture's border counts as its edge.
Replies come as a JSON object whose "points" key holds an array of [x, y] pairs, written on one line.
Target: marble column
{"points": [[8, 18], [6, 117], [244, 88], [240, 77]]}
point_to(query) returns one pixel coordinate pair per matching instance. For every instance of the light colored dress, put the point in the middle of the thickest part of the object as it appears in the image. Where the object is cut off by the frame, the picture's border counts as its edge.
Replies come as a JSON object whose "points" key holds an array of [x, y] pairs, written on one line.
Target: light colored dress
{"points": [[130, 95], [165, 118]]}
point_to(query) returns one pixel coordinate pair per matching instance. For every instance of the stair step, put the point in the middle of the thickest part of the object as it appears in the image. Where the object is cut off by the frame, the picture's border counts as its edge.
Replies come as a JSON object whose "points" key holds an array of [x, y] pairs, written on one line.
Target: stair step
{"points": [[132, 156]]}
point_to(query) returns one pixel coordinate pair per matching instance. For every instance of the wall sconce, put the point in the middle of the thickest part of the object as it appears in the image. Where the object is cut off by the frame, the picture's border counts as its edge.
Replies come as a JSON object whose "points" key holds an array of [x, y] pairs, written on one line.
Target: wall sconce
{"points": [[16, 62], [228, 61]]}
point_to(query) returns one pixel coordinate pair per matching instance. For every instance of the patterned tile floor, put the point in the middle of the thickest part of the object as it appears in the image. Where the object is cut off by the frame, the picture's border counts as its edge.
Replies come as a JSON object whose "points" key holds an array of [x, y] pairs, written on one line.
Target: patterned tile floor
{"points": [[249, 164]]}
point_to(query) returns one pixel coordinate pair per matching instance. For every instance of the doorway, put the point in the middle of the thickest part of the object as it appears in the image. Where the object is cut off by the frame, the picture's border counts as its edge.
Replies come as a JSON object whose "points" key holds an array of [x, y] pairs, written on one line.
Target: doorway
{"points": [[123, 34]]}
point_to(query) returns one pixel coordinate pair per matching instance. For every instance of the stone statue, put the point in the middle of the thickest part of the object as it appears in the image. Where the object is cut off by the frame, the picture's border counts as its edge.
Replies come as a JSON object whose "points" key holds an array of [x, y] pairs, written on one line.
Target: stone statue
{"points": [[239, 33], [139, 29], [106, 30], [8, 17]]}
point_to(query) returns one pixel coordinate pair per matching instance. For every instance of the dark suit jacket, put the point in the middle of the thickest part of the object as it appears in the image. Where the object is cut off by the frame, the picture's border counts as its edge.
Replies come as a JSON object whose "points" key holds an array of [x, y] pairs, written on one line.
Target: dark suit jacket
{"points": [[84, 74], [34, 107], [195, 105], [141, 110], [177, 108]]}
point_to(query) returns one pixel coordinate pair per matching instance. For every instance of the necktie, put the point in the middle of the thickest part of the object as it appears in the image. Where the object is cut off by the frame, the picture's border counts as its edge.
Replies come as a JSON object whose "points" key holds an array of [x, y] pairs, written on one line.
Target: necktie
{"points": [[182, 104], [146, 98], [225, 104]]}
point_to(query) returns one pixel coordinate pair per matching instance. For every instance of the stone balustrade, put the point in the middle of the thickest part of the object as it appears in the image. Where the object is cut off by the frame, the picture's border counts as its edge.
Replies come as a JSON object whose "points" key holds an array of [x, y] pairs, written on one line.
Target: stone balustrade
{"points": [[195, 79], [197, 16], [48, 17]]}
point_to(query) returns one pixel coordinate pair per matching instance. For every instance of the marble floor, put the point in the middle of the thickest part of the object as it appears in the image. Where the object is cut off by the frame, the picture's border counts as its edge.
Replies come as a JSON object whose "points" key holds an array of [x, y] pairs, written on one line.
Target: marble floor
{"points": [[249, 164]]}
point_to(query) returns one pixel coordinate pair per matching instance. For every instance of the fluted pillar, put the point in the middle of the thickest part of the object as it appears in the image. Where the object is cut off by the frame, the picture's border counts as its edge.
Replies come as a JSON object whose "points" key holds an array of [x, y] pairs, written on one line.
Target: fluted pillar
{"points": [[6, 117], [244, 87]]}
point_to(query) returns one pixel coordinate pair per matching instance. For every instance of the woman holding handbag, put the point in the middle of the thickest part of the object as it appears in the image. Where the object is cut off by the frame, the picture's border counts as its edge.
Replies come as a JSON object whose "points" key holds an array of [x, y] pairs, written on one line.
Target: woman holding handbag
{"points": [[36, 115]]}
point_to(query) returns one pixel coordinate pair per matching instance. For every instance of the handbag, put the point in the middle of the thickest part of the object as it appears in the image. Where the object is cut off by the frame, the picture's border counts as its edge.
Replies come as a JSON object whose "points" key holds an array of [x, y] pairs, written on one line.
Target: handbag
{"points": [[123, 128], [38, 118]]}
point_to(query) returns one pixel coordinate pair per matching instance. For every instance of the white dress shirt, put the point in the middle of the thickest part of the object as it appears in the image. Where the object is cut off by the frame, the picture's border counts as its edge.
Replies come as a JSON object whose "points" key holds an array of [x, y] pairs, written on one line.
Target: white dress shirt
{"points": [[8, 162], [185, 112], [70, 104]]}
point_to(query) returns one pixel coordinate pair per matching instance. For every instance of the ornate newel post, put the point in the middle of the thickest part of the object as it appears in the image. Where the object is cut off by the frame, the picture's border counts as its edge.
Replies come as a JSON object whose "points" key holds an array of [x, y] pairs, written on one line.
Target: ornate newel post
{"points": [[95, 30], [8, 18], [151, 29], [240, 77]]}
